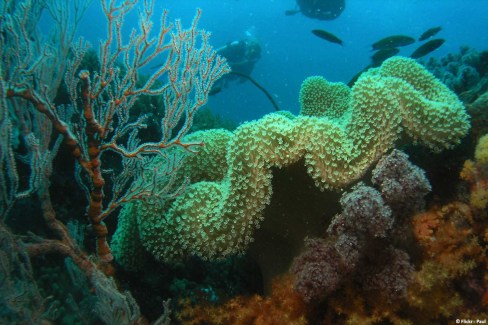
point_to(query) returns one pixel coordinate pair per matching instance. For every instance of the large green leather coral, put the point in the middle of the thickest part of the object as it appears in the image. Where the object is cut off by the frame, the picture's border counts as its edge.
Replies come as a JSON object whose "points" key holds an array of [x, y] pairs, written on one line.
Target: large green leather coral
{"points": [[338, 140]]}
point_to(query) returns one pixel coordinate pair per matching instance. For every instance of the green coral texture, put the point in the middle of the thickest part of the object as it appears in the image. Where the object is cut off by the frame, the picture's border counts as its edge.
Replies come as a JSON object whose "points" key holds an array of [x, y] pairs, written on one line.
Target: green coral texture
{"points": [[338, 135]]}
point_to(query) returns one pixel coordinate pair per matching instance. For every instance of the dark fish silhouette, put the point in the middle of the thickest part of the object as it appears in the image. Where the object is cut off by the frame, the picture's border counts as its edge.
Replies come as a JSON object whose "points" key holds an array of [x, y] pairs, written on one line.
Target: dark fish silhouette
{"points": [[393, 41], [327, 36], [357, 75], [381, 55], [426, 48], [429, 33]]}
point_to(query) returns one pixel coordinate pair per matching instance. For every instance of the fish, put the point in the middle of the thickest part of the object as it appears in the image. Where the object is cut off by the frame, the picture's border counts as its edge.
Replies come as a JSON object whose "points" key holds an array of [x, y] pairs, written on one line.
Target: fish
{"points": [[427, 48], [393, 41], [327, 36], [357, 75], [381, 55], [429, 33]]}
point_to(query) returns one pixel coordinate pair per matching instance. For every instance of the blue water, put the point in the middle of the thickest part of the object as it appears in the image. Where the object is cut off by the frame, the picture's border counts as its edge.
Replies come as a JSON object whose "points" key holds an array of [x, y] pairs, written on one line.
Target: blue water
{"points": [[291, 52]]}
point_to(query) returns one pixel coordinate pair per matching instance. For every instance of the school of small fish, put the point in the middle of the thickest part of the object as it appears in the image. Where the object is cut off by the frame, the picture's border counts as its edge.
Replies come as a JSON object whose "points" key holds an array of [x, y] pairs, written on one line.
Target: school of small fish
{"points": [[389, 46]]}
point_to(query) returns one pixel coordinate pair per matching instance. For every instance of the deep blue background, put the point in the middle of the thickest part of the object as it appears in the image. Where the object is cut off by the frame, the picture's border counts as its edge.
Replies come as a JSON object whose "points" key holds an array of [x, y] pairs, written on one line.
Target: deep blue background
{"points": [[291, 52]]}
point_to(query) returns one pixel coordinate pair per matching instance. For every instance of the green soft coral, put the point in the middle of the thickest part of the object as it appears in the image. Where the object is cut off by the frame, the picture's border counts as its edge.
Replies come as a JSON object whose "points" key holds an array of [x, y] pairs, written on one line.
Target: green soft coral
{"points": [[319, 97], [218, 213]]}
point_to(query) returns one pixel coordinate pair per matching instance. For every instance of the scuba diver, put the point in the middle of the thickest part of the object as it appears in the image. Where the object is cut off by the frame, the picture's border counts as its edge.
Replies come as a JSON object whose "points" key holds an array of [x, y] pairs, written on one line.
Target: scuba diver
{"points": [[241, 56], [319, 9]]}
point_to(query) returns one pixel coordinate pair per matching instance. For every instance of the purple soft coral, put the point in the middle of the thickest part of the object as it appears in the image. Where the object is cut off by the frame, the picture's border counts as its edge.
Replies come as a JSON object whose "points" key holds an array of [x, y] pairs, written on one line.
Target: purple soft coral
{"points": [[357, 237], [363, 212], [391, 275], [319, 270], [402, 184]]}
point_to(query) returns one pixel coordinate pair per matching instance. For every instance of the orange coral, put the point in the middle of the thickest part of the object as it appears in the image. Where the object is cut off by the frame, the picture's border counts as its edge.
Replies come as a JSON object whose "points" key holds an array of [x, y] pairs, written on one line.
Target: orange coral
{"points": [[468, 173], [425, 224], [447, 237], [481, 151], [452, 246], [476, 174], [352, 306], [284, 306]]}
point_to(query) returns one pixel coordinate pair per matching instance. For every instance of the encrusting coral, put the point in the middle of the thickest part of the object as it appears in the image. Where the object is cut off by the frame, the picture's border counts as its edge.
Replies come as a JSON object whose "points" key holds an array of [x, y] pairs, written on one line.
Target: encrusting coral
{"points": [[214, 218], [464, 72]]}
